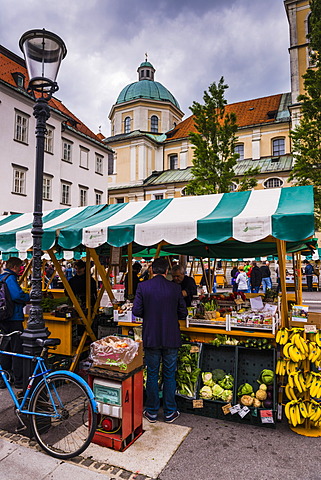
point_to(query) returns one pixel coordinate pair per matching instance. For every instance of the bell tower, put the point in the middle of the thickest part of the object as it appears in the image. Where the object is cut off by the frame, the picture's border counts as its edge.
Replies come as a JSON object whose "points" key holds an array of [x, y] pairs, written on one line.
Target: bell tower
{"points": [[298, 12]]}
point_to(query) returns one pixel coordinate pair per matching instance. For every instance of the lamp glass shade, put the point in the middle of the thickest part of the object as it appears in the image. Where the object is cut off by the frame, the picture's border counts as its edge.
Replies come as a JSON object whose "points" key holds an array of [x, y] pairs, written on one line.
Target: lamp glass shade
{"points": [[43, 52]]}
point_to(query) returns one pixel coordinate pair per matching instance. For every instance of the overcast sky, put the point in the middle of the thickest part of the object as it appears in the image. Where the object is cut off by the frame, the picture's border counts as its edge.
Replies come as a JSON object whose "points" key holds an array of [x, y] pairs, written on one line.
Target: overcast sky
{"points": [[191, 43]]}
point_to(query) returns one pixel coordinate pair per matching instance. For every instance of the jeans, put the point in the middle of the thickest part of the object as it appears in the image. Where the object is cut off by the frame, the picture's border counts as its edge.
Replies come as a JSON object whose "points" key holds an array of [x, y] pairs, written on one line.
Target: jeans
{"points": [[153, 357], [266, 284], [255, 289]]}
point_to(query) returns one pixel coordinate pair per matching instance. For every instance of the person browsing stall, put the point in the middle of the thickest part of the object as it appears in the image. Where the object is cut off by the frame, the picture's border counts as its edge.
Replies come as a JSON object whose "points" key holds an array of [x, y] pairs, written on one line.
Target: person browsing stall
{"points": [[160, 304], [78, 284], [187, 284], [19, 299]]}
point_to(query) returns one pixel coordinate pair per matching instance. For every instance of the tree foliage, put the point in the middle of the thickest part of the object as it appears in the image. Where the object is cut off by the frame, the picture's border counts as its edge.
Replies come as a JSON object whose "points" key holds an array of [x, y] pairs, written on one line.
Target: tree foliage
{"points": [[307, 134], [214, 145]]}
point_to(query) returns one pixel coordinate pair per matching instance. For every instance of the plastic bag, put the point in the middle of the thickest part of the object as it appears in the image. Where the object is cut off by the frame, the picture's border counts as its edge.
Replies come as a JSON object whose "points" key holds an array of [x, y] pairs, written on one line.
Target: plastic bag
{"points": [[114, 351]]}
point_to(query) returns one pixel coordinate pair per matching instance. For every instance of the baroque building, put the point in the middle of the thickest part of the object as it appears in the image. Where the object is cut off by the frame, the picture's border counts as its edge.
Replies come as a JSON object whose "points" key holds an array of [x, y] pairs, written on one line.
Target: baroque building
{"points": [[76, 160], [153, 155]]}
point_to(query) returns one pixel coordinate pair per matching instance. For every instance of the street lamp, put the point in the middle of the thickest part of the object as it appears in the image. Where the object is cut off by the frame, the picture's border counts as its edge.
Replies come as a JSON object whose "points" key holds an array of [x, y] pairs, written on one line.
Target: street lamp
{"points": [[43, 52]]}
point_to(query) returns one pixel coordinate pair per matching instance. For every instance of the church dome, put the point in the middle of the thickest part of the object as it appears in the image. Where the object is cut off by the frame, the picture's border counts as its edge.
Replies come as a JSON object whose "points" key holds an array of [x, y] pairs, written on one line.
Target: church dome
{"points": [[146, 87]]}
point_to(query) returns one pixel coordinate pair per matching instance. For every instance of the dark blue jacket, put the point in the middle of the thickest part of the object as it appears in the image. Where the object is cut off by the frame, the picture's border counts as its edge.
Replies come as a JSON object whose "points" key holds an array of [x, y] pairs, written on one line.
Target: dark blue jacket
{"points": [[161, 304], [17, 294]]}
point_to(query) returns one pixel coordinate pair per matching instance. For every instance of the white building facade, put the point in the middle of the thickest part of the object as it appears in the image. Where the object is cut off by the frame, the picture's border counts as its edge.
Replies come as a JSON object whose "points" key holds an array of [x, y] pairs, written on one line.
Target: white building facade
{"points": [[76, 161]]}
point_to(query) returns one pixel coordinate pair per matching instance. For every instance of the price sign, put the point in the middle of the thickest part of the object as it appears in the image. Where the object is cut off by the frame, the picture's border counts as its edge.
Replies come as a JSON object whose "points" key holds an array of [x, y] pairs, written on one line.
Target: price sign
{"points": [[310, 328], [195, 349], [198, 403], [279, 412], [226, 408], [243, 411], [236, 408], [266, 416]]}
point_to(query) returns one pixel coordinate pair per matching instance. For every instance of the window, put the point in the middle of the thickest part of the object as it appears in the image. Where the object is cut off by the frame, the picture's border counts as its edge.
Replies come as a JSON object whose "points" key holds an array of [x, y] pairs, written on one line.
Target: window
{"points": [[21, 127], [239, 148], [278, 147], [49, 140], [19, 180], [127, 125], [98, 197], [273, 183], [84, 157], [154, 124], [99, 164], [158, 196], [46, 187], [110, 163], [120, 200], [66, 150], [65, 193], [83, 196], [173, 161]]}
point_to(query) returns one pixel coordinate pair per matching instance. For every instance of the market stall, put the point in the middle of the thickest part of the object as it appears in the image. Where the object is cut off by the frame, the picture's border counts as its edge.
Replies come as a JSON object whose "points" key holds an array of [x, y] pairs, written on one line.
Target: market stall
{"points": [[233, 225]]}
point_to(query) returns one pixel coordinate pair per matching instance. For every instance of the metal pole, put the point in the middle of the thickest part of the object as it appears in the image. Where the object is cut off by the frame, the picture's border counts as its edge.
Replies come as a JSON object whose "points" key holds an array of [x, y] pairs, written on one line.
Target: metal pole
{"points": [[36, 327]]}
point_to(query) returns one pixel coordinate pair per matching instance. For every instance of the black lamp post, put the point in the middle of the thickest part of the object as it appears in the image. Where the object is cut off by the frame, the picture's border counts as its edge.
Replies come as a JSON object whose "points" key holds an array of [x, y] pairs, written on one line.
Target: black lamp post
{"points": [[43, 52]]}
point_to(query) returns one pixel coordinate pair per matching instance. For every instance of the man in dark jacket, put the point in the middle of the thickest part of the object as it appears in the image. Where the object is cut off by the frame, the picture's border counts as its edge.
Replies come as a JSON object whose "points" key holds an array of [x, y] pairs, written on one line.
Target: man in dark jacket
{"points": [[78, 284], [255, 278], [160, 303], [188, 285], [309, 275], [19, 298]]}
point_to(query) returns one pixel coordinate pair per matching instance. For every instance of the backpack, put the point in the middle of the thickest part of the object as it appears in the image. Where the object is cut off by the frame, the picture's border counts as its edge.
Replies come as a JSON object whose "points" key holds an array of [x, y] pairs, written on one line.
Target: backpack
{"points": [[6, 303]]}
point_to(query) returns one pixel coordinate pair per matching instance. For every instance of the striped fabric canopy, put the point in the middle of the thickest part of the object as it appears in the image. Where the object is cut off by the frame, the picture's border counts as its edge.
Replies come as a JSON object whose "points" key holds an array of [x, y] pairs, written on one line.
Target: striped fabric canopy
{"points": [[241, 219]]}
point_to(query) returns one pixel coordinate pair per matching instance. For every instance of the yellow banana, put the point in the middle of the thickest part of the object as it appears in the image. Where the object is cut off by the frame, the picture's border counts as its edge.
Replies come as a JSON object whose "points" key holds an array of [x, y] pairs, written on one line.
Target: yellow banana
{"points": [[287, 410], [294, 353], [317, 338], [302, 382], [303, 410], [278, 336], [293, 416], [291, 380], [297, 382], [286, 349], [296, 340]]}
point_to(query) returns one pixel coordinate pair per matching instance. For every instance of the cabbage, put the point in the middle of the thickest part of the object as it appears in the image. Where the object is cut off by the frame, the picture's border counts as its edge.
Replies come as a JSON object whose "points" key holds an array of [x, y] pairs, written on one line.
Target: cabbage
{"points": [[245, 389], [206, 392], [207, 378], [217, 391], [227, 395], [266, 377]]}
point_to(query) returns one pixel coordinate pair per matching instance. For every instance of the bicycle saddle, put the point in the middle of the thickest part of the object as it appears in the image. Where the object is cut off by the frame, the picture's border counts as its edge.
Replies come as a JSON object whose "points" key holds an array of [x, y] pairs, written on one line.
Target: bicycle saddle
{"points": [[48, 342]]}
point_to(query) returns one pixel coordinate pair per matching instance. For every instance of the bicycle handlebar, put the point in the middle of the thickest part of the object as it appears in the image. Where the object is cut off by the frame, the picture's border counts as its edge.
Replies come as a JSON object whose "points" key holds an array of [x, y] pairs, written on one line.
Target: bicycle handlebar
{"points": [[10, 334]]}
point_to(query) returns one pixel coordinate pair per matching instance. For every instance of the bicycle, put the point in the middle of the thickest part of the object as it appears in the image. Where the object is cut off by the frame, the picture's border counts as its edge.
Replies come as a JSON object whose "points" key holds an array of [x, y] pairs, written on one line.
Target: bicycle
{"points": [[61, 406]]}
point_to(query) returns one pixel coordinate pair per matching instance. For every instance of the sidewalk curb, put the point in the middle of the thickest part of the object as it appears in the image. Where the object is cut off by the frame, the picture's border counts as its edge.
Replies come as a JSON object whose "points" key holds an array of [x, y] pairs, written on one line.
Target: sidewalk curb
{"points": [[84, 462]]}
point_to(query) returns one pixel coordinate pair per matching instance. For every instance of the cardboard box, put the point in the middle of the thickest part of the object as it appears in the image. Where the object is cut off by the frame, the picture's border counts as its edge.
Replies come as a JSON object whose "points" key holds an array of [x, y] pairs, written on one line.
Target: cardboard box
{"points": [[123, 368], [314, 318]]}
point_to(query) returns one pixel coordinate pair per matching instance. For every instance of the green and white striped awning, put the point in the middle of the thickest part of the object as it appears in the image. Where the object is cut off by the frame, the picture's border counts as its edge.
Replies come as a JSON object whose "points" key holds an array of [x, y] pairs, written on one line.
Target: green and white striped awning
{"points": [[223, 225]]}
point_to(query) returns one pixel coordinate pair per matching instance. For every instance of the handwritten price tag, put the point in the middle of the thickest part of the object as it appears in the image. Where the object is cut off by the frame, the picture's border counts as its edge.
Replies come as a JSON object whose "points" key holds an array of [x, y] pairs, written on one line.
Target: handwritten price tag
{"points": [[198, 403], [310, 328]]}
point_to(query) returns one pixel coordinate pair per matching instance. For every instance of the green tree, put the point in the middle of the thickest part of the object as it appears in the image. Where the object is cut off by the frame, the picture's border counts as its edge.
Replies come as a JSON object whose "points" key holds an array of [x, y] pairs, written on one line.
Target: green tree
{"points": [[214, 145], [306, 136]]}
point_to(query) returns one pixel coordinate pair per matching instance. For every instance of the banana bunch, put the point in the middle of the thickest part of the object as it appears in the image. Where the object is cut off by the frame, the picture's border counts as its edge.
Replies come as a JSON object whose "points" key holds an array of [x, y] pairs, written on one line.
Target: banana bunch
{"points": [[296, 412], [296, 349], [296, 380], [281, 367], [282, 336], [314, 353], [314, 384], [314, 412]]}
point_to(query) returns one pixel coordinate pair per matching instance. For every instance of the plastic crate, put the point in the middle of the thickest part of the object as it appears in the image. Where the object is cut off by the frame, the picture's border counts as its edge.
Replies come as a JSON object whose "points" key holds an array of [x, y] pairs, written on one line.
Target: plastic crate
{"points": [[250, 363], [223, 357]]}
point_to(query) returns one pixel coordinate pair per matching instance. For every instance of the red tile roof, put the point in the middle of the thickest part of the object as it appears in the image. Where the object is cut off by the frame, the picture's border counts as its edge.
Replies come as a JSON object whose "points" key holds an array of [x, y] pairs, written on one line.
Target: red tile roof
{"points": [[248, 113], [11, 63]]}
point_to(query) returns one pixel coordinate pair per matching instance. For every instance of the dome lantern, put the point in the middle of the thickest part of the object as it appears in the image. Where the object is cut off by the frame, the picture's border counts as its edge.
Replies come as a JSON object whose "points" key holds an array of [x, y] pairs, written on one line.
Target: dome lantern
{"points": [[146, 71]]}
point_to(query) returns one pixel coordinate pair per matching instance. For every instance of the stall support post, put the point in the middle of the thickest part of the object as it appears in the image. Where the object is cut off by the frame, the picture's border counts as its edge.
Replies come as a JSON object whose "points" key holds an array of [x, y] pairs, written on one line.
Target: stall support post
{"points": [[281, 248], [299, 273], [88, 284], [130, 270], [205, 276]]}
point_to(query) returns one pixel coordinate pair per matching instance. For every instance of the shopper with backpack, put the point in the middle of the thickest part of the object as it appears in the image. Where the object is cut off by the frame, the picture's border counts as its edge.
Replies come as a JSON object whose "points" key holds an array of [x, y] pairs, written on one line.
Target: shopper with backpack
{"points": [[12, 301]]}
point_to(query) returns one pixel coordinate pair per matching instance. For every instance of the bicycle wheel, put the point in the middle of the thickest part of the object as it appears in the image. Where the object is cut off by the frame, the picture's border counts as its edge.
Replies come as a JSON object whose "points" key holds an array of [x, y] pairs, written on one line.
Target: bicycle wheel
{"points": [[66, 420]]}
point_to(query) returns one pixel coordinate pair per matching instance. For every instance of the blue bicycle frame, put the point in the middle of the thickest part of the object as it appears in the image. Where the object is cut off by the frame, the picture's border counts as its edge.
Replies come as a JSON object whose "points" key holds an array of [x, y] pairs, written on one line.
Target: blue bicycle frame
{"points": [[41, 370]]}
